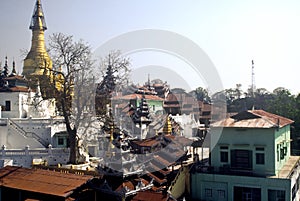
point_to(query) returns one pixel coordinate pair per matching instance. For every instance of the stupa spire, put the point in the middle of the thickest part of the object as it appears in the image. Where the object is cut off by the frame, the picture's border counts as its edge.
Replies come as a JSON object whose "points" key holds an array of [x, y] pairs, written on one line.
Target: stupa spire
{"points": [[14, 72], [38, 19], [37, 60]]}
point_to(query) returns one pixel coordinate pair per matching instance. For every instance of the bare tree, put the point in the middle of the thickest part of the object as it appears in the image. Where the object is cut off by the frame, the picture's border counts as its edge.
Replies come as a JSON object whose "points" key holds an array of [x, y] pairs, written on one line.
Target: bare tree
{"points": [[74, 83]]}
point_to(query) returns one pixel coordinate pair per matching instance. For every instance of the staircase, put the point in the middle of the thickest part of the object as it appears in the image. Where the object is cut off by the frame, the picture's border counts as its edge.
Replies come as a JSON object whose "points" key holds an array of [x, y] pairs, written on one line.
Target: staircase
{"points": [[14, 126]]}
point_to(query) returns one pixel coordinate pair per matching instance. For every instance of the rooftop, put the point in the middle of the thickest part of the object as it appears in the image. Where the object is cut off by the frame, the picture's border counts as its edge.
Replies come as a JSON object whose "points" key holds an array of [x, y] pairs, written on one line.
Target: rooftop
{"points": [[138, 96], [41, 181], [149, 195], [254, 119], [287, 170]]}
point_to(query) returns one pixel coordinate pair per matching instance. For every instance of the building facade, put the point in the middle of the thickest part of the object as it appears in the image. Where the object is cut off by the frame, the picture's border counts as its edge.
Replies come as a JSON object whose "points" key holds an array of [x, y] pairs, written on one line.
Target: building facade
{"points": [[250, 160]]}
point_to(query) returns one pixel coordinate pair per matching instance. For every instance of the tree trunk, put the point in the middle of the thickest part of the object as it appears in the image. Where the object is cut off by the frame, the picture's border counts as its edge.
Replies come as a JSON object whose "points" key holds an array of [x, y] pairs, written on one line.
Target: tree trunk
{"points": [[73, 146]]}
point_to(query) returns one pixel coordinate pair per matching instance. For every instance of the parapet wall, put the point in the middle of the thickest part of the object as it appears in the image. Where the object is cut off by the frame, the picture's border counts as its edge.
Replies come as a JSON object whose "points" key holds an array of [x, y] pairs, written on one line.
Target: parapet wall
{"points": [[25, 157]]}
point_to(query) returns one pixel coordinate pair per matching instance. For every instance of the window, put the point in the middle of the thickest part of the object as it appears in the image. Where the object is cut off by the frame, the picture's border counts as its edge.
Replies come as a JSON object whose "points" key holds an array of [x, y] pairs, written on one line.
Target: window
{"points": [[221, 193], [260, 158], [281, 153], [60, 141], [276, 195], [224, 157], [278, 153], [260, 149], [241, 159], [246, 194], [208, 192], [7, 106]]}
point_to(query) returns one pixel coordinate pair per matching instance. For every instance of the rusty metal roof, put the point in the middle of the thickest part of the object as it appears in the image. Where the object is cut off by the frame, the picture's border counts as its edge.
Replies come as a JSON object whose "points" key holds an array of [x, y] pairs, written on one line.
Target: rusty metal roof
{"points": [[131, 185], [138, 96], [254, 119], [41, 181], [150, 195], [146, 142], [14, 89]]}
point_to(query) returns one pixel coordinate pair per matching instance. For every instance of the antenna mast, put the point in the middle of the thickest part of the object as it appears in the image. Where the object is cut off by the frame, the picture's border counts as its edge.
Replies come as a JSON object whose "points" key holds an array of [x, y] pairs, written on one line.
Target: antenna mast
{"points": [[253, 80]]}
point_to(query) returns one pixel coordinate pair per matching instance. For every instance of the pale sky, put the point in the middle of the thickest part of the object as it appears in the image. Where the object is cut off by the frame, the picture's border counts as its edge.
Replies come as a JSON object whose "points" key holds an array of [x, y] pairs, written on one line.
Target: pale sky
{"points": [[231, 33]]}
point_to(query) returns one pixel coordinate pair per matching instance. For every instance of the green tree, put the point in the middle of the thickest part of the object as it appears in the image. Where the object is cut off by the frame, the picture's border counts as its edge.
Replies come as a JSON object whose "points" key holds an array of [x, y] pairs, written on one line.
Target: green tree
{"points": [[201, 94], [282, 102]]}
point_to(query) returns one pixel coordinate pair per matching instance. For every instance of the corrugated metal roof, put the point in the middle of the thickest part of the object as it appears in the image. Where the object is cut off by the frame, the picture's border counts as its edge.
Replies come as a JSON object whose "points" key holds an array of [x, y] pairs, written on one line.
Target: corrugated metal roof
{"points": [[149, 195], [253, 119], [138, 96], [42, 181], [146, 142]]}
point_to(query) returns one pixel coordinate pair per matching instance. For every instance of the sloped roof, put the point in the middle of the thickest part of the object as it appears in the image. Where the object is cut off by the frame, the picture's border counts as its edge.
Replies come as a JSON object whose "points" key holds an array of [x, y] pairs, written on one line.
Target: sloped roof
{"points": [[14, 89], [15, 77], [41, 181], [132, 184], [138, 96], [150, 195], [254, 119], [146, 142]]}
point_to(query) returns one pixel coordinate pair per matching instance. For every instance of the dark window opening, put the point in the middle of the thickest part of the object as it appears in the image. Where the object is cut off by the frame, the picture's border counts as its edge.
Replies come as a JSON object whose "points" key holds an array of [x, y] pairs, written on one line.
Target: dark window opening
{"points": [[208, 192], [260, 149], [278, 195], [224, 156], [241, 159], [260, 158], [60, 141], [7, 106], [221, 193], [247, 194]]}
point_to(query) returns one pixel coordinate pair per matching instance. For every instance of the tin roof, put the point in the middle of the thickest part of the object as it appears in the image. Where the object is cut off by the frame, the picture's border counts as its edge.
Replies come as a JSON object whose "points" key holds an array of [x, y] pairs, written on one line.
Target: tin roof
{"points": [[14, 89], [150, 195], [146, 142], [41, 181], [253, 119], [138, 96]]}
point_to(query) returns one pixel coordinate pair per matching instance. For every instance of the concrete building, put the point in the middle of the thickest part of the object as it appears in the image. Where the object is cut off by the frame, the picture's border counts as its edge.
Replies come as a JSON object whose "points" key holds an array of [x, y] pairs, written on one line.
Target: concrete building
{"points": [[250, 160]]}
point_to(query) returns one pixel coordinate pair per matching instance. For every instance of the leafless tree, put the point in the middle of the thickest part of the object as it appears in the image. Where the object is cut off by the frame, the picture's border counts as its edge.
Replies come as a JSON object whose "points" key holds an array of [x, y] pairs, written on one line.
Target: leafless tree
{"points": [[75, 85]]}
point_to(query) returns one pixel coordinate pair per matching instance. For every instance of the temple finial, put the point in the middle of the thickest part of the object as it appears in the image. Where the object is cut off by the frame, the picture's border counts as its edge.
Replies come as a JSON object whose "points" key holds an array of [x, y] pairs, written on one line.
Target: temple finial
{"points": [[14, 72], [6, 63], [38, 20]]}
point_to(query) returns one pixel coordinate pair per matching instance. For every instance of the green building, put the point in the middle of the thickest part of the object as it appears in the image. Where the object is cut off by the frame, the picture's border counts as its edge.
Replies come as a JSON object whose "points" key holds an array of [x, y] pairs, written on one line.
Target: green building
{"points": [[250, 160]]}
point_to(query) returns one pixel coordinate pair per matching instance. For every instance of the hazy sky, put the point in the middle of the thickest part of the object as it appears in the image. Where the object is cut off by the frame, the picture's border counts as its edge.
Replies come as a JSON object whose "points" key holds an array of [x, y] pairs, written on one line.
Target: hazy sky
{"points": [[230, 32]]}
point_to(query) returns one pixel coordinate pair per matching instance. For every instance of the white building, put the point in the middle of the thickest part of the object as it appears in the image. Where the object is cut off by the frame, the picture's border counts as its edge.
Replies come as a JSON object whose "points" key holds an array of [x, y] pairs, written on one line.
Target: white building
{"points": [[29, 129]]}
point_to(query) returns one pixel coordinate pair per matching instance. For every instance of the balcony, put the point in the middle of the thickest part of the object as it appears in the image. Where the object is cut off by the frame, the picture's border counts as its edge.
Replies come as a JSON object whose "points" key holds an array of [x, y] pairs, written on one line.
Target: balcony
{"points": [[224, 170]]}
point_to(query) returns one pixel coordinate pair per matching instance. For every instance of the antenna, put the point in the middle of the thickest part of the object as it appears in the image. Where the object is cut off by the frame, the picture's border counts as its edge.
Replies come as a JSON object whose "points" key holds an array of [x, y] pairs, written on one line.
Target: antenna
{"points": [[253, 80]]}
